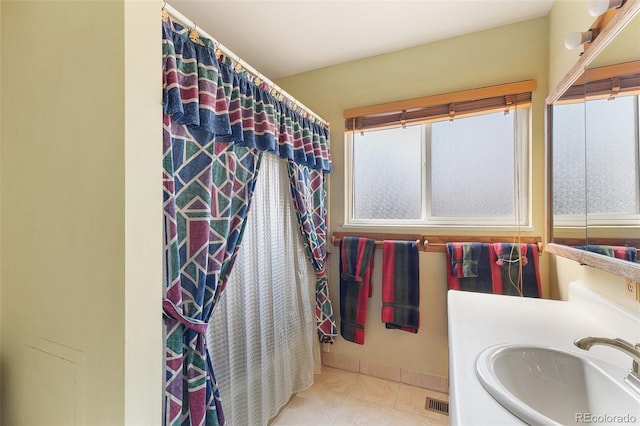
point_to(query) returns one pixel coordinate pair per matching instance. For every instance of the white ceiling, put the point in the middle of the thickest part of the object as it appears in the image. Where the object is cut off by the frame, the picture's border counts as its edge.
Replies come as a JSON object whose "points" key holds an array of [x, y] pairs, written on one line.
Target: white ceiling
{"points": [[285, 37]]}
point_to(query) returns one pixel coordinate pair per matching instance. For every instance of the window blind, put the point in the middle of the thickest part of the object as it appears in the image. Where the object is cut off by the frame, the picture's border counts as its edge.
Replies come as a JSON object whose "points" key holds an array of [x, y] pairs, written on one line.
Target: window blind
{"points": [[438, 107], [603, 82]]}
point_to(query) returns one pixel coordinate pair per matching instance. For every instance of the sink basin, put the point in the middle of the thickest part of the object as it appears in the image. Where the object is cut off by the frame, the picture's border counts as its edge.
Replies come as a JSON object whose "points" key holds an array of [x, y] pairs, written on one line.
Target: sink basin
{"points": [[547, 386]]}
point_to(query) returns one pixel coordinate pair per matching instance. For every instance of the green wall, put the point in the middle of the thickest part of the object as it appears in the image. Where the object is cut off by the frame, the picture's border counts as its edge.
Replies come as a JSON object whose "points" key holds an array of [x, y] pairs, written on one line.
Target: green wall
{"points": [[502, 55], [81, 212], [565, 17]]}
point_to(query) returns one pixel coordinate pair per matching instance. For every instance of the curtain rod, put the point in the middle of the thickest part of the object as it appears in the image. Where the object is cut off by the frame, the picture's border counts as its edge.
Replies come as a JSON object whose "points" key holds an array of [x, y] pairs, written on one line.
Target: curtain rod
{"points": [[189, 24]]}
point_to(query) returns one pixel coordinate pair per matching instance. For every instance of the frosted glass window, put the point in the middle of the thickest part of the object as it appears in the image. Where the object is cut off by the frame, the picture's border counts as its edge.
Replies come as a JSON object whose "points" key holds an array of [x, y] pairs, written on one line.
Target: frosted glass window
{"points": [[387, 174], [472, 171], [596, 171], [569, 179], [612, 157]]}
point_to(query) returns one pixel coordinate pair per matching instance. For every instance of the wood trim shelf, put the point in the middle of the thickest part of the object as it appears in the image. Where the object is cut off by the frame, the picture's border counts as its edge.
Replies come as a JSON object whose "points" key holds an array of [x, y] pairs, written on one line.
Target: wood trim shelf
{"points": [[615, 266]]}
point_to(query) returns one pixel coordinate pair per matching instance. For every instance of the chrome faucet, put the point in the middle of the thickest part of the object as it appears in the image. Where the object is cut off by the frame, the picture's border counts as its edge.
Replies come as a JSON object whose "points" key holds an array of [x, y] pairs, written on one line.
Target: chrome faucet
{"points": [[633, 377]]}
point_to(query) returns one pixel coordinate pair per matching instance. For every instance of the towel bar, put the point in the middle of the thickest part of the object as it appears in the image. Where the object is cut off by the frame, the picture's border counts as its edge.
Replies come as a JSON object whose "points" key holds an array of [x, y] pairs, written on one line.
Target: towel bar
{"points": [[432, 243], [336, 241]]}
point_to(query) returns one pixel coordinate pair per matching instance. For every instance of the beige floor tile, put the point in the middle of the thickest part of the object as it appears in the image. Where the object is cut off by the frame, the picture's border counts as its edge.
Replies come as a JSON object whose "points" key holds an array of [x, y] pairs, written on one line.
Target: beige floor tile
{"points": [[334, 380], [402, 418], [411, 399], [356, 411], [313, 407], [287, 418], [373, 389], [435, 419], [343, 398]]}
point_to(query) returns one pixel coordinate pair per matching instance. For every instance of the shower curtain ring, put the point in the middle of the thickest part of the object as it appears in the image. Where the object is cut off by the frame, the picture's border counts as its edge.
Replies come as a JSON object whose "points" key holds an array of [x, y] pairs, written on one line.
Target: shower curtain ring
{"points": [[165, 12], [194, 36]]}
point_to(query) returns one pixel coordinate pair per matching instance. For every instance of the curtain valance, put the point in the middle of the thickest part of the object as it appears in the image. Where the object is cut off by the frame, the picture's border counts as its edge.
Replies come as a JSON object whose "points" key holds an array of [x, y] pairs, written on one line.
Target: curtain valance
{"points": [[205, 93], [217, 122]]}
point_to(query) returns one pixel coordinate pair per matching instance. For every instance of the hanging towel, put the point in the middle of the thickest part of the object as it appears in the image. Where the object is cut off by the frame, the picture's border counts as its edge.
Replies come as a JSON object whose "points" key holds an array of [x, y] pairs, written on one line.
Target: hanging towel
{"points": [[625, 253], [510, 254], [619, 252], [356, 263], [464, 259], [400, 285], [482, 282], [507, 260]]}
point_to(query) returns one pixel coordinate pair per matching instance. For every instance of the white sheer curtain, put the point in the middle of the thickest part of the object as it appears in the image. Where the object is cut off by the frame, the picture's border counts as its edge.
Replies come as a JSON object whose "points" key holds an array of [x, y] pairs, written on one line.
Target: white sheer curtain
{"points": [[262, 336]]}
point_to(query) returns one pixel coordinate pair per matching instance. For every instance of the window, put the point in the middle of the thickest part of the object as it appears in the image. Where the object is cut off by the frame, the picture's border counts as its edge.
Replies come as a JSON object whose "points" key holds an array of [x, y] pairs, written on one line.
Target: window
{"points": [[568, 165], [597, 175], [612, 160], [470, 171]]}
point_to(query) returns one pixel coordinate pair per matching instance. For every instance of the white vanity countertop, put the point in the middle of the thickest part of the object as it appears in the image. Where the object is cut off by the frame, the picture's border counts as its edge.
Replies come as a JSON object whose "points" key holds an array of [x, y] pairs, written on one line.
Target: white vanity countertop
{"points": [[477, 321]]}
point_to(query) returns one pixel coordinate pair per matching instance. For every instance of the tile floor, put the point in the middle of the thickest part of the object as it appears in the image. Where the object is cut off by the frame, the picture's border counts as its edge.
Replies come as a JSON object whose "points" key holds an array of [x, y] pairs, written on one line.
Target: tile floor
{"points": [[342, 398]]}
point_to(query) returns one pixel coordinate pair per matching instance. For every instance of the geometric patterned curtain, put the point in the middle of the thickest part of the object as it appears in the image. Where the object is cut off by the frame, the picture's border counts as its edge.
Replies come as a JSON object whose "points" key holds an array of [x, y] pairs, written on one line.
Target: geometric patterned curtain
{"points": [[208, 187], [216, 123], [308, 188]]}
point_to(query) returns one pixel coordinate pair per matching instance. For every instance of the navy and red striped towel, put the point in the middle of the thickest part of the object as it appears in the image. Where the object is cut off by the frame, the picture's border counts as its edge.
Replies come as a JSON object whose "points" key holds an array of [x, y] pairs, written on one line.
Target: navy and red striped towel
{"points": [[482, 282], [356, 263], [619, 252], [503, 268], [515, 269], [464, 259], [400, 285]]}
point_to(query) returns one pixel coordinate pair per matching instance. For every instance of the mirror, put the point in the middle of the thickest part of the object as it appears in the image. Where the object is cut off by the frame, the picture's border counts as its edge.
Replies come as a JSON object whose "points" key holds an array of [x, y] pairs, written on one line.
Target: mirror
{"points": [[594, 150], [613, 168]]}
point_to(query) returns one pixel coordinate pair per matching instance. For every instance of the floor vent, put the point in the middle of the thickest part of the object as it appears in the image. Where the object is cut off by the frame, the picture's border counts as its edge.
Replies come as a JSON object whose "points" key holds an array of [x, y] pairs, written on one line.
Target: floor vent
{"points": [[437, 406]]}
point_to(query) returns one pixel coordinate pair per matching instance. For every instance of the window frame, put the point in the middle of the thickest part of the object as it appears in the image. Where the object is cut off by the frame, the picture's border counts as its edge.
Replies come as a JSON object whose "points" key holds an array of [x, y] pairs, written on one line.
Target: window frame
{"points": [[427, 220], [598, 220]]}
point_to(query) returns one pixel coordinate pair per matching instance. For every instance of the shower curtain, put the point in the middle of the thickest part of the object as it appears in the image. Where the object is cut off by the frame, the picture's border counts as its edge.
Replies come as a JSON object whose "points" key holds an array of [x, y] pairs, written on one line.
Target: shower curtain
{"points": [[263, 328], [217, 123]]}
